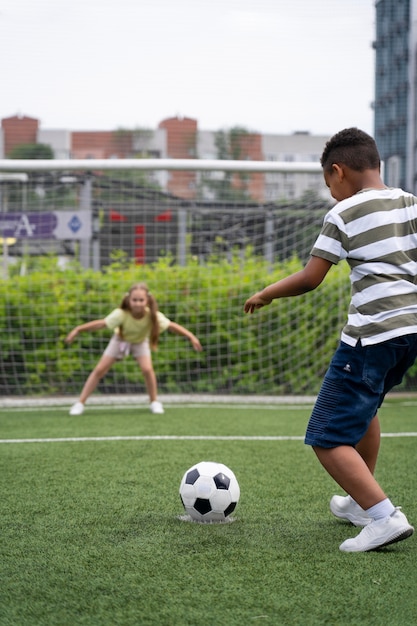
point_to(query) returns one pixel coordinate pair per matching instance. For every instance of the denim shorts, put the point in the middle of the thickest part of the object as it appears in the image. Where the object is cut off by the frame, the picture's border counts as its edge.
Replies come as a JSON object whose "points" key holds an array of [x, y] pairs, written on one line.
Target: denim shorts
{"points": [[354, 388]]}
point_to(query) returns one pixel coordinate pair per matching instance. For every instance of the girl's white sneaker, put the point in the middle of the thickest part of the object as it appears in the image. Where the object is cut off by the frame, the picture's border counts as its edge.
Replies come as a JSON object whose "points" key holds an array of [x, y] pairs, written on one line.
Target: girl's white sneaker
{"points": [[77, 409], [156, 407]]}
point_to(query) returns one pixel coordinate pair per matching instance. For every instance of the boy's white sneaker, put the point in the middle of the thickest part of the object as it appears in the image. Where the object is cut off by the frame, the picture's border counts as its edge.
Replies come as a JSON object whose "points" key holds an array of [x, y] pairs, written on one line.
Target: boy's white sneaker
{"points": [[344, 507], [156, 407], [77, 409], [380, 533]]}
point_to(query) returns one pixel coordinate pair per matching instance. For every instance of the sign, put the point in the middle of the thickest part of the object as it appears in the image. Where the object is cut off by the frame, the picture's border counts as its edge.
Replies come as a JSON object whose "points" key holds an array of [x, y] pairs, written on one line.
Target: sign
{"points": [[46, 225]]}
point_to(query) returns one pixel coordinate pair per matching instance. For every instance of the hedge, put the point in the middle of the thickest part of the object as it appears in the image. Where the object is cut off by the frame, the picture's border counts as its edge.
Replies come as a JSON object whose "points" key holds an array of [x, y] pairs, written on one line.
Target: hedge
{"points": [[282, 349]]}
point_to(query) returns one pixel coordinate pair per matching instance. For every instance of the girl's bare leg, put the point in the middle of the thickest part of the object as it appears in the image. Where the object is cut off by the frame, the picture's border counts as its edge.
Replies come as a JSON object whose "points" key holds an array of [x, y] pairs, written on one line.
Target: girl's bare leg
{"points": [[145, 364], [96, 375]]}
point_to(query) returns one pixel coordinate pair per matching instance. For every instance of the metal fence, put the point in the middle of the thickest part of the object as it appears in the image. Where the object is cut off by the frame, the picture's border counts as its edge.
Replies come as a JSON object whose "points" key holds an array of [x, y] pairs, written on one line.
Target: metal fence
{"points": [[101, 211]]}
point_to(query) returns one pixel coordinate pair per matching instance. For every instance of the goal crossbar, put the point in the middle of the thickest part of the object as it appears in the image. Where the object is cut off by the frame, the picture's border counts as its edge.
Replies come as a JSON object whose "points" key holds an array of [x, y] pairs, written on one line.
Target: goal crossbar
{"points": [[23, 165]]}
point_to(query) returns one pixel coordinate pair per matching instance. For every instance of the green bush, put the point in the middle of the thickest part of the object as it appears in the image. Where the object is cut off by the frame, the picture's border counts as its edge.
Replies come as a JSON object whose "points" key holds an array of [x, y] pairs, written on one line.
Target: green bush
{"points": [[282, 349]]}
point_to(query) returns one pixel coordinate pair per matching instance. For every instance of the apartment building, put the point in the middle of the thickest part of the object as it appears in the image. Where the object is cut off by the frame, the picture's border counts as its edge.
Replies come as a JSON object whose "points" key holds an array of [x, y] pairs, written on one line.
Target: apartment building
{"points": [[298, 147], [395, 90], [180, 138]]}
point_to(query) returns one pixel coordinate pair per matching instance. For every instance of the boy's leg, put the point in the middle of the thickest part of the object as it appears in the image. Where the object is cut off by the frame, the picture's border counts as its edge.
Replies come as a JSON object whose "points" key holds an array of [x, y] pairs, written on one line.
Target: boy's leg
{"points": [[347, 467], [388, 524], [368, 447], [353, 388]]}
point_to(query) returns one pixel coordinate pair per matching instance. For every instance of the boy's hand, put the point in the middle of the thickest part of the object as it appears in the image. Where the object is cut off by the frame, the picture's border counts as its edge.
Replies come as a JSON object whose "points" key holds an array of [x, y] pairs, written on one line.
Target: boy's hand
{"points": [[256, 302]]}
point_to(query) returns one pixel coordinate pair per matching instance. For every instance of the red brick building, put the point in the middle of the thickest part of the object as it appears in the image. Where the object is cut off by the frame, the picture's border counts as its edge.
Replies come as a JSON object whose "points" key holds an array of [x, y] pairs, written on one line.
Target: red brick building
{"points": [[18, 130], [249, 148], [181, 144], [101, 144]]}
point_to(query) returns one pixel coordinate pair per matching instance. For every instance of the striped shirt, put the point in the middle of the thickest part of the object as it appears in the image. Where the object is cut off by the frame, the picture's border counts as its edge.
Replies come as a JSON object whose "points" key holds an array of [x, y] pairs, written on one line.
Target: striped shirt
{"points": [[376, 232]]}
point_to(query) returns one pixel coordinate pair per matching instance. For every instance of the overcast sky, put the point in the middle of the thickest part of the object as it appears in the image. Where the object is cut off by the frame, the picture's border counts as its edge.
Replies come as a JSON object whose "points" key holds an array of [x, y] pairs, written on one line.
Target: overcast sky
{"points": [[272, 66]]}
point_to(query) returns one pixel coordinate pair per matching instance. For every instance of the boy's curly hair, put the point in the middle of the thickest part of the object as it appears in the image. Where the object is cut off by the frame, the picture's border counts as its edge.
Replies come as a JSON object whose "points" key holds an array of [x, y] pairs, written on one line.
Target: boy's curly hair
{"points": [[352, 147]]}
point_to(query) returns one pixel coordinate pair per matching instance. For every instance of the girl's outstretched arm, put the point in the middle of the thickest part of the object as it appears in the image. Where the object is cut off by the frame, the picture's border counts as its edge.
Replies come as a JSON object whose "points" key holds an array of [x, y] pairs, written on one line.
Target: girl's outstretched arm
{"points": [[94, 325], [305, 280], [180, 330]]}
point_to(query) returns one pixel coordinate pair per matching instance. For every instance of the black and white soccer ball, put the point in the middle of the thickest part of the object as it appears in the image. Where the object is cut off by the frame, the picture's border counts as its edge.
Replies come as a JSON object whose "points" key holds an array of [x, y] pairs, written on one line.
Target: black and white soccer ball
{"points": [[209, 492]]}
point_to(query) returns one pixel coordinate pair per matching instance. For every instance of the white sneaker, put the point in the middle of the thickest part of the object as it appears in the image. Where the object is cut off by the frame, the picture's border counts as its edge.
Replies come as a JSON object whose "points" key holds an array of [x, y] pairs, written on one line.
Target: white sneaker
{"points": [[77, 409], [380, 533], [344, 507], [156, 407]]}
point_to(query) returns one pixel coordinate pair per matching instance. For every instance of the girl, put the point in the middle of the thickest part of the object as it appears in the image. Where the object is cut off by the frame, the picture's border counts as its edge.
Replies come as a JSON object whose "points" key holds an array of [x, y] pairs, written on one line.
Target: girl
{"points": [[136, 325]]}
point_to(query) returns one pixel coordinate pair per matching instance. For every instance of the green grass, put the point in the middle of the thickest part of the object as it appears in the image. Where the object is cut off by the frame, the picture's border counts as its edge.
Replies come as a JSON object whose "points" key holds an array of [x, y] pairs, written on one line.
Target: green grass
{"points": [[90, 530]]}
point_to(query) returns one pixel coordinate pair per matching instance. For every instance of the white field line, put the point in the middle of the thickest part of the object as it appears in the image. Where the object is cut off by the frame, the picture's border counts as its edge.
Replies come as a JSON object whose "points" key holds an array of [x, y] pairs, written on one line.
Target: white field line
{"points": [[145, 409], [141, 401], [179, 438]]}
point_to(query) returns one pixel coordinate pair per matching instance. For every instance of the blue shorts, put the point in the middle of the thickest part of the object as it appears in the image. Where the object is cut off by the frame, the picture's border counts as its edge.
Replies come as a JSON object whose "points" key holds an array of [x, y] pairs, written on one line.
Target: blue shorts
{"points": [[354, 388]]}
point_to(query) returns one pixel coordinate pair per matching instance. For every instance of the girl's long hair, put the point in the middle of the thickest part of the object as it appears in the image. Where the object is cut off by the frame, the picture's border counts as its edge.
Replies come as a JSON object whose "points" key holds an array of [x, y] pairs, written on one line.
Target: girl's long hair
{"points": [[153, 309]]}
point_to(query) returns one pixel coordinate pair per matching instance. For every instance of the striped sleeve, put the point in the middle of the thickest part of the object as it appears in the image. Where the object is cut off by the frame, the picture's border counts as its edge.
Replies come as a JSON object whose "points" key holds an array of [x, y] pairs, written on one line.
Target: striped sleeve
{"points": [[376, 232], [330, 244]]}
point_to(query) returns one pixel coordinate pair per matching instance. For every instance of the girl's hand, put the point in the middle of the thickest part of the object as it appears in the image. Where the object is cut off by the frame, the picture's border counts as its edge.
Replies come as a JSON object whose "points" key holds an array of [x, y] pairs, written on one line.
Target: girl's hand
{"points": [[196, 343], [71, 336]]}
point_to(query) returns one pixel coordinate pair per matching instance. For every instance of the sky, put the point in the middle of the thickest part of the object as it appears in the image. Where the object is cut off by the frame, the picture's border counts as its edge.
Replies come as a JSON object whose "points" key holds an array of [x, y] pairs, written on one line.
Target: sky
{"points": [[269, 66]]}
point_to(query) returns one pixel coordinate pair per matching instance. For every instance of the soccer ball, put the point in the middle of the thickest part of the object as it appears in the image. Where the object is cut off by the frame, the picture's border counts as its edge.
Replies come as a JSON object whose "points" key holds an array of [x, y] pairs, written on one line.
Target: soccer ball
{"points": [[209, 492]]}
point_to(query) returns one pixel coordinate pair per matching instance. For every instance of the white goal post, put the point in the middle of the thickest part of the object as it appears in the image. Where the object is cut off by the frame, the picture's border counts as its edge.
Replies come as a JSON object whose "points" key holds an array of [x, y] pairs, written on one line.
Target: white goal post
{"points": [[202, 253], [27, 165]]}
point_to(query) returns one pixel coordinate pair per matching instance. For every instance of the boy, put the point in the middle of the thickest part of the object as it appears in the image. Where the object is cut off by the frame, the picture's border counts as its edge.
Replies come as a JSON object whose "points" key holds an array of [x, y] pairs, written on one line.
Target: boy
{"points": [[375, 229]]}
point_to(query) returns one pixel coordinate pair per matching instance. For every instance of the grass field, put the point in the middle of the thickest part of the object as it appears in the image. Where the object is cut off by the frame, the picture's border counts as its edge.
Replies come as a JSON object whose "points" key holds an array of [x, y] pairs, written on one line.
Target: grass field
{"points": [[91, 535]]}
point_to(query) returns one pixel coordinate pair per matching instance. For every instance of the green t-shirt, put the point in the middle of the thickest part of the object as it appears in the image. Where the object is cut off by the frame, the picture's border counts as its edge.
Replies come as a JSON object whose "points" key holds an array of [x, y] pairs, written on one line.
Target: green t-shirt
{"points": [[134, 330]]}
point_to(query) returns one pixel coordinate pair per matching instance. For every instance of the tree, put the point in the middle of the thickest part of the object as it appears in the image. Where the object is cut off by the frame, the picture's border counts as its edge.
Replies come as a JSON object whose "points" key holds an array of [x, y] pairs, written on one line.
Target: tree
{"points": [[31, 151], [133, 144], [230, 145]]}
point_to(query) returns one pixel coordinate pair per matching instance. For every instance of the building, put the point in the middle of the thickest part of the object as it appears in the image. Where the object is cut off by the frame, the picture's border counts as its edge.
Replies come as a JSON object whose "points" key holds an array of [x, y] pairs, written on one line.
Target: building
{"points": [[181, 143], [395, 90], [18, 130], [58, 140], [234, 144], [301, 146], [180, 138]]}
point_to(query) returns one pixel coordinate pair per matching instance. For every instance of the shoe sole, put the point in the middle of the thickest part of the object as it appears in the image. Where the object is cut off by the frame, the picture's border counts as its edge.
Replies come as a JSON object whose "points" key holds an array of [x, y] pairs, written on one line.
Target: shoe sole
{"points": [[403, 535]]}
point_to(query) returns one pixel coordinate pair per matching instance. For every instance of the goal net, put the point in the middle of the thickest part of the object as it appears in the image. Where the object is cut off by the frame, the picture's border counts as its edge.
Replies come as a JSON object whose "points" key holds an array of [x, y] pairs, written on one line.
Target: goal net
{"points": [[75, 240]]}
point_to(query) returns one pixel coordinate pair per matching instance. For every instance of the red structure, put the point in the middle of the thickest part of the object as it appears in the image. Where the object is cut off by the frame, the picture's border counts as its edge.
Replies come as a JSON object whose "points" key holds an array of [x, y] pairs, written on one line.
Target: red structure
{"points": [[101, 144], [250, 149], [181, 144], [18, 130]]}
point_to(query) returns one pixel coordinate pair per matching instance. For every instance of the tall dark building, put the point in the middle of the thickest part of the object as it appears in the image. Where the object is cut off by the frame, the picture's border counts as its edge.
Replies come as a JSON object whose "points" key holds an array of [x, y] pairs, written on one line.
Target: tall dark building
{"points": [[395, 90]]}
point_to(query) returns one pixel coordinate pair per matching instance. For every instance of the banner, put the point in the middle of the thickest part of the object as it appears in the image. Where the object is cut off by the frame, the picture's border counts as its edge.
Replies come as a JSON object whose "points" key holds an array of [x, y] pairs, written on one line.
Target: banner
{"points": [[46, 225]]}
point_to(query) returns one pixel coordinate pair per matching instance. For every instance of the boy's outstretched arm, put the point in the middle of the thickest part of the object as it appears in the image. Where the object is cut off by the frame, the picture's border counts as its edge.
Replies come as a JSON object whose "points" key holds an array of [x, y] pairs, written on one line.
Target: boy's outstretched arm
{"points": [[305, 280]]}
